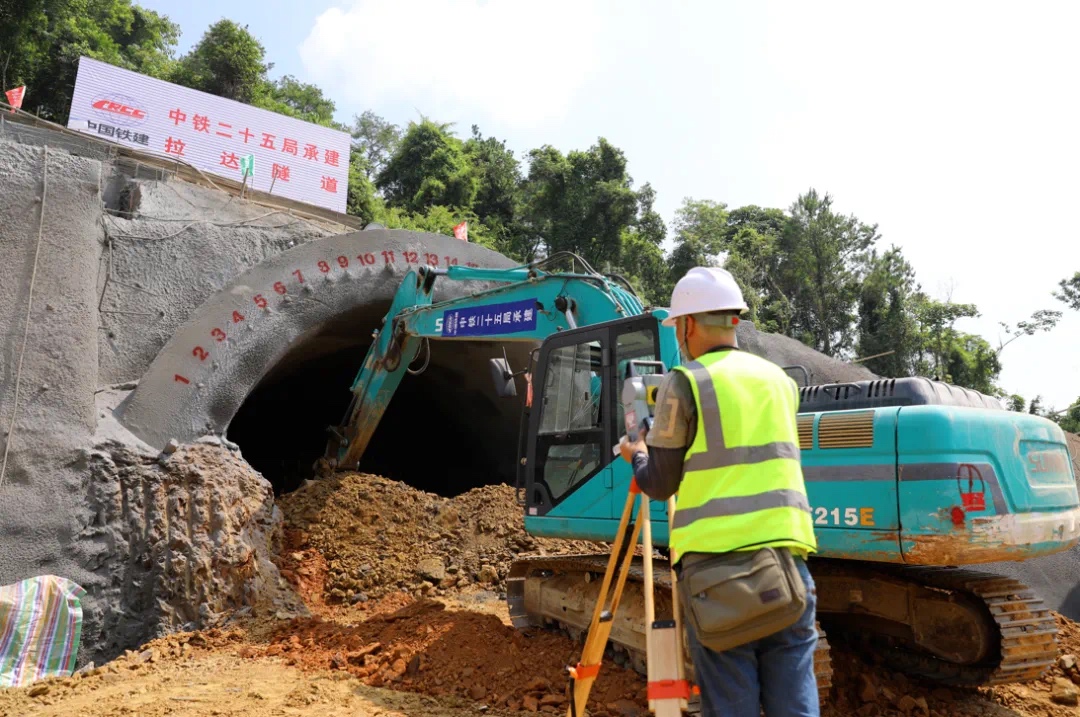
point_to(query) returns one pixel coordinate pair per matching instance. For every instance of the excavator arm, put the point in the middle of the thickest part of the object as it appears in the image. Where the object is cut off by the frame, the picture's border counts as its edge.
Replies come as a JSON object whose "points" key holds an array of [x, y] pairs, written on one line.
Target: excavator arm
{"points": [[528, 304]]}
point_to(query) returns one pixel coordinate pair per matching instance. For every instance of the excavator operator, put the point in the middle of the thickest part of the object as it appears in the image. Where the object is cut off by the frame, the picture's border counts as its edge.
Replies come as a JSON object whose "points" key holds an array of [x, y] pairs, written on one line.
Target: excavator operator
{"points": [[725, 440]]}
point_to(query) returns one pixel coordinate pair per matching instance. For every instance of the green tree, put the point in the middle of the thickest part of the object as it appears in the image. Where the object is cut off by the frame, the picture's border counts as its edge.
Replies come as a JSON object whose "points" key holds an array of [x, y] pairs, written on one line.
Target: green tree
{"points": [[361, 200], [700, 227], [1041, 320], [1069, 419], [579, 202], [430, 168], [641, 259], [376, 139], [768, 222], [290, 97], [1016, 403], [937, 320], [887, 321], [1070, 291], [228, 62], [41, 42], [498, 175], [437, 219], [821, 254], [973, 363]]}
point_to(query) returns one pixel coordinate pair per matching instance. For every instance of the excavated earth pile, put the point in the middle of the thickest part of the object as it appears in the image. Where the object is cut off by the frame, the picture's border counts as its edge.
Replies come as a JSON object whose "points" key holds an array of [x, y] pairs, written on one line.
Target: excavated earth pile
{"points": [[427, 648], [380, 536]]}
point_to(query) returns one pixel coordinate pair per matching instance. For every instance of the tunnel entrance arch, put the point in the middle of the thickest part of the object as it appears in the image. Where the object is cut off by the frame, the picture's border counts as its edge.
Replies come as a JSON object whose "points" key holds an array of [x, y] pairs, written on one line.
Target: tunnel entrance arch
{"points": [[268, 361]]}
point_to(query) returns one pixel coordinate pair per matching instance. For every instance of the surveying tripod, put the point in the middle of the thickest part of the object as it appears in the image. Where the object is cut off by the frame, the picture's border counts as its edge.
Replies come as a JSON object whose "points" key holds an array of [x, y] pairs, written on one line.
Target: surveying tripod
{"points": [[668, 690]]}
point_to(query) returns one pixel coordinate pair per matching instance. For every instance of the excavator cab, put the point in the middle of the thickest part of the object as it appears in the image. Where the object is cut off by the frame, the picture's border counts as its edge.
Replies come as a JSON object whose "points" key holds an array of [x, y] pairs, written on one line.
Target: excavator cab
{"points": [[567, 464]]}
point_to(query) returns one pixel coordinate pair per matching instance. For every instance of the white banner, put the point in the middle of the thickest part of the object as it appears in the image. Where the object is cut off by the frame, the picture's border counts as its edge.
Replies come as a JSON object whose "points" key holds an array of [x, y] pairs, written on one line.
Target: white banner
{"points": [[292, 158]]}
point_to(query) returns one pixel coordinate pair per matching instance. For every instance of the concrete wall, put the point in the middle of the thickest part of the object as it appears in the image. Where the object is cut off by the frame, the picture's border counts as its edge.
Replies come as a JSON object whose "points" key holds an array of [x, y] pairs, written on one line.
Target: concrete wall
{"points": [[56, 411], [81, 497], [156, 272]]}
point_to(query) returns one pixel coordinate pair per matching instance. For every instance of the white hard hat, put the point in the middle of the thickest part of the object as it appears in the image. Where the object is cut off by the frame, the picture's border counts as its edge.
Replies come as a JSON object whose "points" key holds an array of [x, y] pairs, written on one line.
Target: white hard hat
{"points": [[705, 288]]}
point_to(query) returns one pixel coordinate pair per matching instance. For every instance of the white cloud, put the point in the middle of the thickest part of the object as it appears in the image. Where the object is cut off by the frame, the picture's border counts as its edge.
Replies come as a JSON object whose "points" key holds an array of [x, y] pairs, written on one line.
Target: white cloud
{"points": [[504, 61]]}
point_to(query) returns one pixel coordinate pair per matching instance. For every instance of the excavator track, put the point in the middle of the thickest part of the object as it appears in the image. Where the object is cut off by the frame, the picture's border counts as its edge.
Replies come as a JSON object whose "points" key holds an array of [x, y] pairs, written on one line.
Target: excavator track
{"points": [[561, 592], [995, 629]]}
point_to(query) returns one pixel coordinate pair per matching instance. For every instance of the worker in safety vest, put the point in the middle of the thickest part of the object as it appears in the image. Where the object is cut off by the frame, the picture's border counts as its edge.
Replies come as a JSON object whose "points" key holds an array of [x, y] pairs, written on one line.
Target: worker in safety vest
{"points": [[724, 438]]}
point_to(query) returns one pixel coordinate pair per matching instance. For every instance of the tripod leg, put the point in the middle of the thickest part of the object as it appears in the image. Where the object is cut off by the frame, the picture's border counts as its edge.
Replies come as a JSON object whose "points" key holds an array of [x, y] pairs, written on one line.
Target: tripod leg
{"points": [[666, 687], [584, 674]]}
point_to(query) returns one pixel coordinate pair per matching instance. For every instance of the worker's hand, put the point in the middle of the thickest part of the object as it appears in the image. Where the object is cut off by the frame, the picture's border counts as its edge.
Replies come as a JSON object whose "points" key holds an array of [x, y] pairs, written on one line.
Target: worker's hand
{"points": [[628, 449]]}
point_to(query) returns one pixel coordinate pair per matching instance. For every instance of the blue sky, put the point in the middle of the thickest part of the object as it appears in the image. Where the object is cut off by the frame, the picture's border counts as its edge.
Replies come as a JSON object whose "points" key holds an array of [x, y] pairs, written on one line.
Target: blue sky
{"points": [[953, 126]]}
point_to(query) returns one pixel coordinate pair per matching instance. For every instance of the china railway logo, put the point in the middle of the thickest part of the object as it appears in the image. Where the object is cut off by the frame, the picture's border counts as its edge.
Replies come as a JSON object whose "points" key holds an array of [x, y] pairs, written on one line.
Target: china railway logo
{"points": [[120, 109]]}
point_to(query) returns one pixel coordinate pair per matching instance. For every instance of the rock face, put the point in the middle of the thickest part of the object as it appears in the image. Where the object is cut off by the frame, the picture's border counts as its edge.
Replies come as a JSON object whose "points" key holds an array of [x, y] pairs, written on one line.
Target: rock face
{"points": [[185, 540]]}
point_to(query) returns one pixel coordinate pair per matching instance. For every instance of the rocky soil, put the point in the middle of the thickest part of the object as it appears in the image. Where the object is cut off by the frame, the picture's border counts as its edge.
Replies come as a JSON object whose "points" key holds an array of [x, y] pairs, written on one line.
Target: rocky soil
{"points": [[425, 632], [379, 536]]}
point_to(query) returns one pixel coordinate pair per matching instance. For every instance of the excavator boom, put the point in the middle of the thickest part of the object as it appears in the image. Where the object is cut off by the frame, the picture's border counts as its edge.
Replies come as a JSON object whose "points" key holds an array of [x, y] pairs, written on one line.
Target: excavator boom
{"points": [[527, 304]]}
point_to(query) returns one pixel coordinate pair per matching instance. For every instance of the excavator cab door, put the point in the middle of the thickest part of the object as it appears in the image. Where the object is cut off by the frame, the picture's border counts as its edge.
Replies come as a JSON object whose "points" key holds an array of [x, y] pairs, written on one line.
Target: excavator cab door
{"points": [[576, 418]]}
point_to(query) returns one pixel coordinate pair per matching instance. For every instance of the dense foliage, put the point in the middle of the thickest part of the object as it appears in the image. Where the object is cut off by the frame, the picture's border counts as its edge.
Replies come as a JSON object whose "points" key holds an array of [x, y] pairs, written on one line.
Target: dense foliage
{"points": [[808, 272]]}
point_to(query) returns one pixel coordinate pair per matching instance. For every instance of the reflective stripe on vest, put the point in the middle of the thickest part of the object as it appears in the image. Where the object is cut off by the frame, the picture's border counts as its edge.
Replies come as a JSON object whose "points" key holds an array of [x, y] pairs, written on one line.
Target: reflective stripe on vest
{"points": [[717, 454], [737, 505], [752, 495]]}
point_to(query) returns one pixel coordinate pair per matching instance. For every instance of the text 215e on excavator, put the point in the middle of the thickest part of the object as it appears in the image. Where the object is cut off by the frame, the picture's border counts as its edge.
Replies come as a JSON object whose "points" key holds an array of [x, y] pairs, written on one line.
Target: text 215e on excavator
{"points": [[907, 478]]}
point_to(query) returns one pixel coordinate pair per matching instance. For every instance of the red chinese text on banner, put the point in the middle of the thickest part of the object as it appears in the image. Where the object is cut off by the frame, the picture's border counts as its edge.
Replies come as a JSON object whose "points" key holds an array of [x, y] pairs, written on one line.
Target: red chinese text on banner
{"points": [[15, 97], [461, 231]]}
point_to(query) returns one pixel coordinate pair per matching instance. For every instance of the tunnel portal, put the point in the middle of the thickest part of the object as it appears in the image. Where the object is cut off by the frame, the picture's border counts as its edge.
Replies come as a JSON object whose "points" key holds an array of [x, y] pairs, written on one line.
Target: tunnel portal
{"points": [[268, 362]]}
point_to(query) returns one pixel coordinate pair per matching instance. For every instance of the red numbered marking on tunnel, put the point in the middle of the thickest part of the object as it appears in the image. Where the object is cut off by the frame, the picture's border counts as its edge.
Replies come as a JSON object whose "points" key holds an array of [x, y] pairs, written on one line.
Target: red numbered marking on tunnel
{"points": [[325, 266]]}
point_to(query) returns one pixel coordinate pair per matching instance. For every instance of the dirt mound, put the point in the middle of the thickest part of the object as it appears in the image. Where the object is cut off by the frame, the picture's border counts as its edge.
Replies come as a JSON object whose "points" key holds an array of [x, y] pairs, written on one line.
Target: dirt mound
{"points": [[378, 536], [425, 647], [207, 678]]}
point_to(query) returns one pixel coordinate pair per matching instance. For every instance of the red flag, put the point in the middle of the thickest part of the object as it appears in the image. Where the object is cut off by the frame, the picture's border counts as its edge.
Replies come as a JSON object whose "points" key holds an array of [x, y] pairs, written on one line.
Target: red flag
{"points": [[15, 96], [461, 231]]}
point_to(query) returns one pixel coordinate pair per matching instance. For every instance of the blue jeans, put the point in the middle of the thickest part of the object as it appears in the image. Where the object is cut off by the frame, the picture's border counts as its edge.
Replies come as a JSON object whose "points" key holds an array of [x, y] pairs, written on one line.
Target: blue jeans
{"points": [[774, 674]]}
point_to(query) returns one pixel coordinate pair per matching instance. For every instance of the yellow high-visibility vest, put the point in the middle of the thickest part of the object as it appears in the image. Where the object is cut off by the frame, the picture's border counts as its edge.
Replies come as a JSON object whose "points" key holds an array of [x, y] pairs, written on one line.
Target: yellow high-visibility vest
{"points": [[742, 485]]}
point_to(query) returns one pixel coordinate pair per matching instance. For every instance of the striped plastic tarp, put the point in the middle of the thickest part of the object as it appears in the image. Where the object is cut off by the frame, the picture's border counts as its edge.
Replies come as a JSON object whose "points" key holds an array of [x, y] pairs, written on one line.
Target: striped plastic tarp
{"points": [[40, 629]]}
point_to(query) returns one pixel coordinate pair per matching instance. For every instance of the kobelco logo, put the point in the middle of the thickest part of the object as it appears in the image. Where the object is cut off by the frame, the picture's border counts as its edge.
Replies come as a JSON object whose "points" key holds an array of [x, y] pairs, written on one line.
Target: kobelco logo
{"points": [[120, 109]]}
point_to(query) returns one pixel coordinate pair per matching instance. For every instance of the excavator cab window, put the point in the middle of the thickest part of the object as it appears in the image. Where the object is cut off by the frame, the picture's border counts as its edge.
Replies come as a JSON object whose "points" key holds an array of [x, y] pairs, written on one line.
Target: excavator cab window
{"points": [[571, 432], [576, 416]]}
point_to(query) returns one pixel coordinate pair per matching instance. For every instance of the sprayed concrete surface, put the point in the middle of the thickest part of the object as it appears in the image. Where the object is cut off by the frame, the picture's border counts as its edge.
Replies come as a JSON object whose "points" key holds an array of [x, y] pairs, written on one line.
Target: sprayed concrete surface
{"points": [[41, 505], [156, 272], [786, 351]]}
